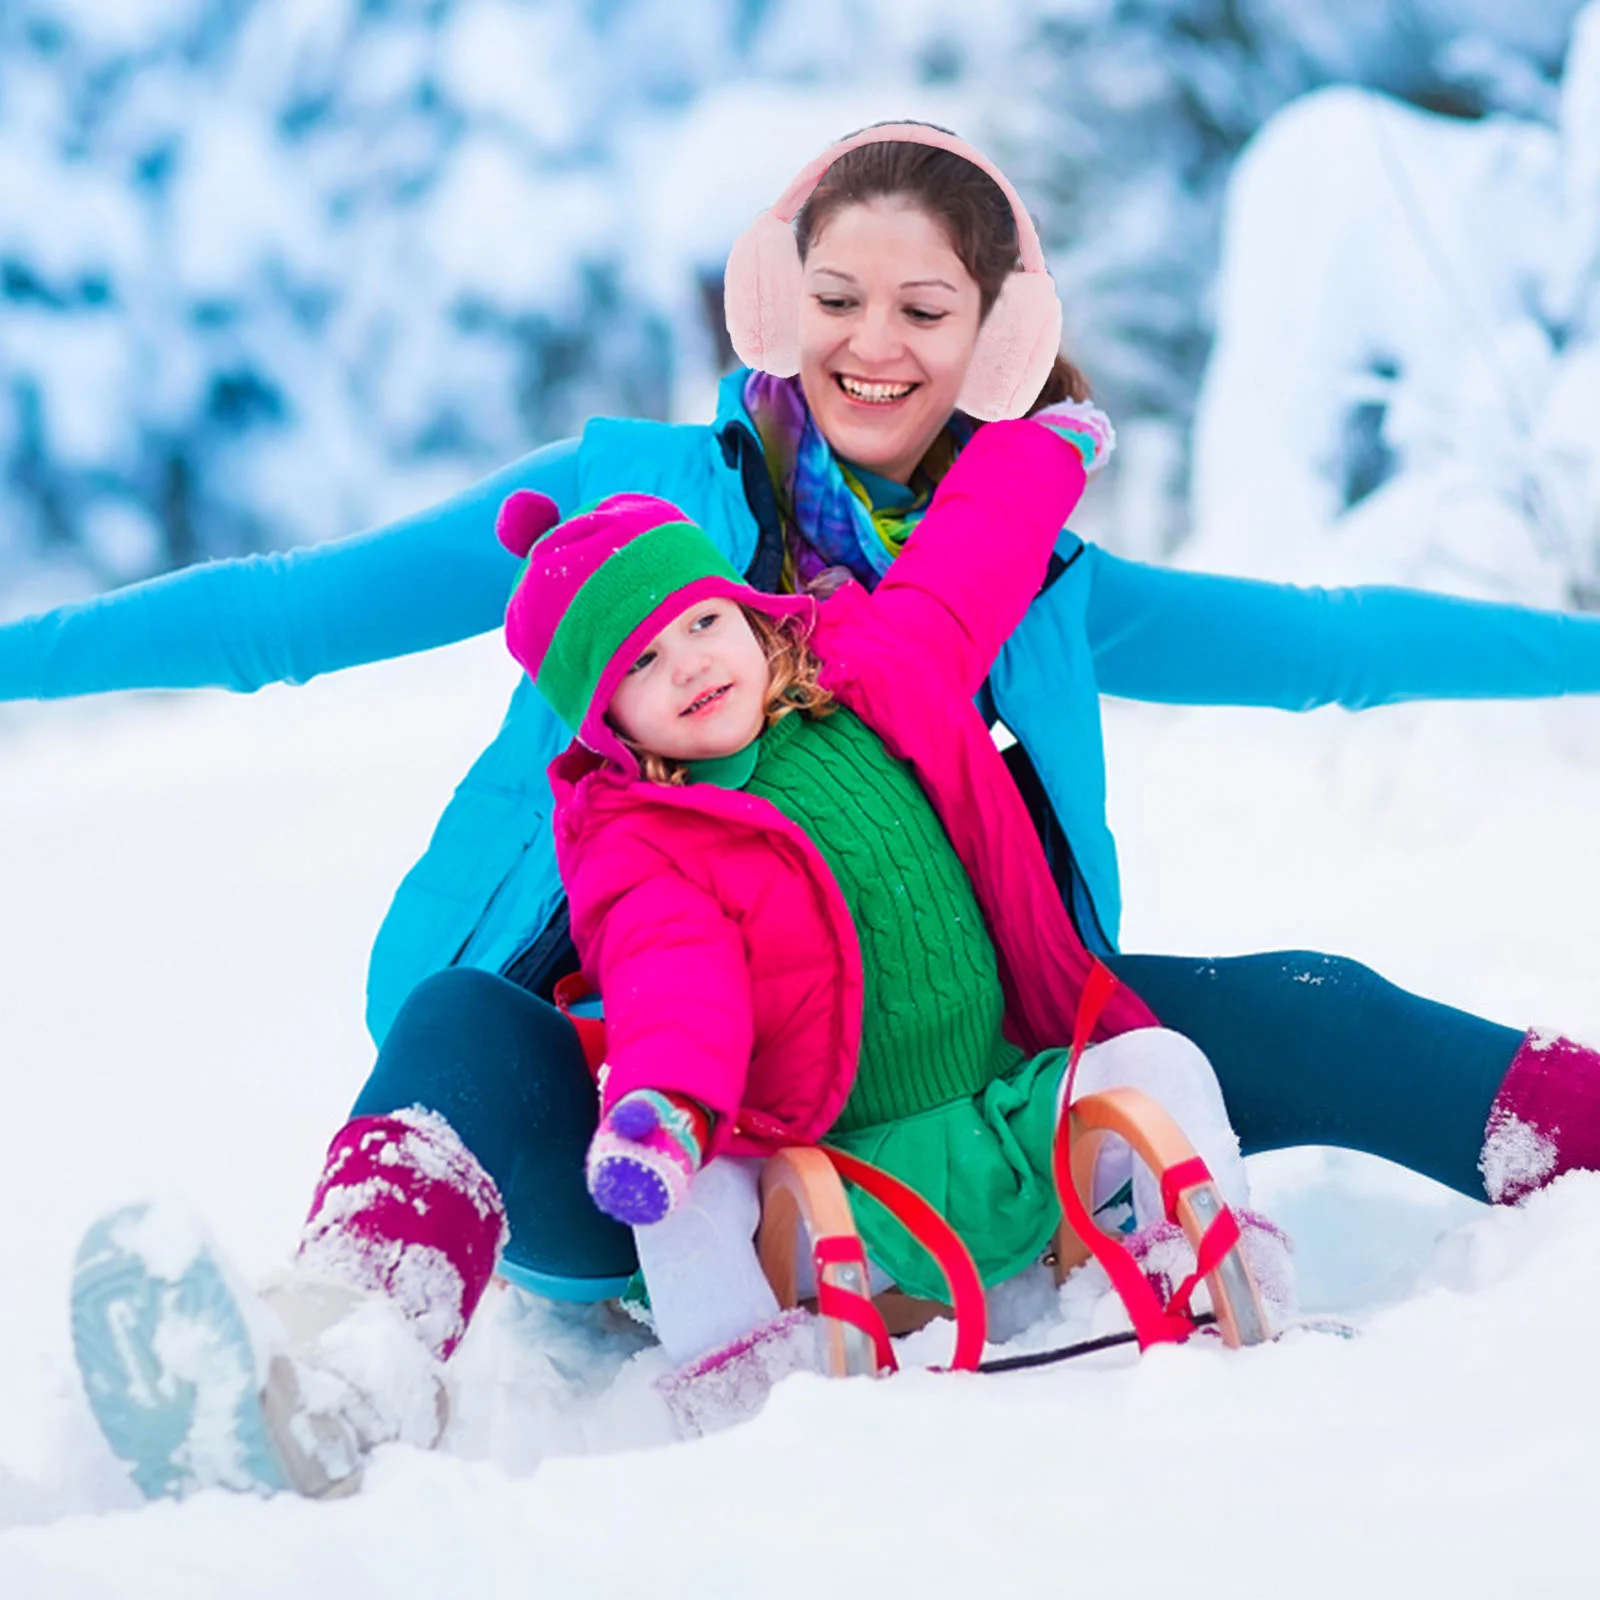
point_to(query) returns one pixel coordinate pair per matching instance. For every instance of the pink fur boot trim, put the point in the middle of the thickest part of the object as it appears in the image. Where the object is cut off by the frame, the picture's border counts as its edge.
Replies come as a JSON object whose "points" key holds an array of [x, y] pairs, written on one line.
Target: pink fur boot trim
{"points": [[404, 1209], [1545, 1120], [731, 1384]]}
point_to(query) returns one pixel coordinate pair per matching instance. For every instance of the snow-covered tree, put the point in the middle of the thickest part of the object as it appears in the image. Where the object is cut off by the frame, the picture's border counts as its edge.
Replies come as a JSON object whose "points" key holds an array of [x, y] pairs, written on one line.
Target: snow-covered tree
{"points": [[273, 269]]}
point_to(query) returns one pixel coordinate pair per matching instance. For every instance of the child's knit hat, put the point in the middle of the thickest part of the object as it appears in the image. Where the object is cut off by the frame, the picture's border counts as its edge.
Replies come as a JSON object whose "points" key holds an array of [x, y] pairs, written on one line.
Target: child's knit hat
{"points": [[599, 587]]}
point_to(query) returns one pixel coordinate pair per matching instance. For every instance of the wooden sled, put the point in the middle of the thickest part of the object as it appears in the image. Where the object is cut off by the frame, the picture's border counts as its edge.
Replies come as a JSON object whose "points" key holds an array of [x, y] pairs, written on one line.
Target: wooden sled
{"points": [[806, 1213]]}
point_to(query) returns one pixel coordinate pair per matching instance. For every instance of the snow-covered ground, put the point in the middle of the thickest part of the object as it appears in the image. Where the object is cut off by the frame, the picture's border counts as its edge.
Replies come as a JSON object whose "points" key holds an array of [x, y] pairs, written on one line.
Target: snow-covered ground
{"points": [[191, 885]]}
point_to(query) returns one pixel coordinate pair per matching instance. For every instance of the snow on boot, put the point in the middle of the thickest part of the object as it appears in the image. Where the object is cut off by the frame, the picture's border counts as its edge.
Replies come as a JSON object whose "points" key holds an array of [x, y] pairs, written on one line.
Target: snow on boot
{"points": [[173, 1353], [354, 1376], [404, 1209], [198, 1383], [731, 1383], [1545, 1119]]}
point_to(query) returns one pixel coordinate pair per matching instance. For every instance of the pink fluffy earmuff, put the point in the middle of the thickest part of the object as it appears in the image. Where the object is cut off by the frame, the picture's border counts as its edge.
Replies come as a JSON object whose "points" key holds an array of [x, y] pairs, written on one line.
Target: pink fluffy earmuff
{"points": [[1017, 344]]}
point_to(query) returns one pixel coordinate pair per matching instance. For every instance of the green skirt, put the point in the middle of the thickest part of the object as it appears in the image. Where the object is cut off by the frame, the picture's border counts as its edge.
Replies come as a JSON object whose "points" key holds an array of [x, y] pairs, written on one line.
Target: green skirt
{"points": [[983, 1161]]}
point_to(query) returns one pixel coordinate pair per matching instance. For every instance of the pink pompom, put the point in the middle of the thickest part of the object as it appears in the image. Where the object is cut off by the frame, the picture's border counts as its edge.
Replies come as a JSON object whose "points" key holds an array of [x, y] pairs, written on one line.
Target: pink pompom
{"points": [[525, 518]]}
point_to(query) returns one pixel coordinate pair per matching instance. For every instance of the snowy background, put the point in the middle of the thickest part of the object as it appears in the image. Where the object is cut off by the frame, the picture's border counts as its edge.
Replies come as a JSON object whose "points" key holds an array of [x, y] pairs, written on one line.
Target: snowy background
{"points": [[271, 271]]}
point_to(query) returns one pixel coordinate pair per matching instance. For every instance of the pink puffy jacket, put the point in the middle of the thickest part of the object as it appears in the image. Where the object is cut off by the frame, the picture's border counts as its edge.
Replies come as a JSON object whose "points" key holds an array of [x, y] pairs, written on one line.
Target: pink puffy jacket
{"points": [[711, 924]]}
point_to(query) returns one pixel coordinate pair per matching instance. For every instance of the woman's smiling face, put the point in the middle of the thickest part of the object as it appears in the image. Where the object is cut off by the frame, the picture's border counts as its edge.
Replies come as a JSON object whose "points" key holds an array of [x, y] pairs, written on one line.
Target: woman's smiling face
{"points": [[888, 322]]}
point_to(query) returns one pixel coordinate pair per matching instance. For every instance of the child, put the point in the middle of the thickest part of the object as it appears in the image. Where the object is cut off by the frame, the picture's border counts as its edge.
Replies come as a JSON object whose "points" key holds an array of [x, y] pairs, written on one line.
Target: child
{"points": [[807, 889]]}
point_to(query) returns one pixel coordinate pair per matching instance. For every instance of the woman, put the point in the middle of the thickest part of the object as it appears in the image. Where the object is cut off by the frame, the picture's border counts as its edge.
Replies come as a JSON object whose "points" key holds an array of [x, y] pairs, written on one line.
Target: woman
{"points": [[899, 307]]}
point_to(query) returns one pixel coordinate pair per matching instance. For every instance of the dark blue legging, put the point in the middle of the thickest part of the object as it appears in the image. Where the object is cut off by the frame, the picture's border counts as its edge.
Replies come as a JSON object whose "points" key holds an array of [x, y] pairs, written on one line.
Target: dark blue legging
{"points": [[1309, 1049]]}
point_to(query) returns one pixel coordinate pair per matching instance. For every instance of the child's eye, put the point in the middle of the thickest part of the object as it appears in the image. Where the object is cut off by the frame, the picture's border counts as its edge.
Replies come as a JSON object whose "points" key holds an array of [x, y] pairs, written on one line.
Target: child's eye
{"points": [[643, 662], [700, 624]]}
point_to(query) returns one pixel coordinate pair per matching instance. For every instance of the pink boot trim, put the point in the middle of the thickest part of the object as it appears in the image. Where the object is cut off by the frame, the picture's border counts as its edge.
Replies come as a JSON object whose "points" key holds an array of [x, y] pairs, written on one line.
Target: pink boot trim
{"points": [[732, 1382], [403, 1208], [1545, 1120]]}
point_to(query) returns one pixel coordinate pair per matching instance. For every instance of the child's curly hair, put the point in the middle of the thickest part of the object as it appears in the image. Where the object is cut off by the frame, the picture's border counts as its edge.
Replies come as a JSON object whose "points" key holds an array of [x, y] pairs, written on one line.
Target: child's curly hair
{"points": [[792, 686]]}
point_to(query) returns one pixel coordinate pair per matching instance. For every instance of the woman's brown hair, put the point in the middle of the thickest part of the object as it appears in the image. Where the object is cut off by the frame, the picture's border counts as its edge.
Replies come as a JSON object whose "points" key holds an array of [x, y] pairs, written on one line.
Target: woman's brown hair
{"points": [[966, 202], [791, 686]]}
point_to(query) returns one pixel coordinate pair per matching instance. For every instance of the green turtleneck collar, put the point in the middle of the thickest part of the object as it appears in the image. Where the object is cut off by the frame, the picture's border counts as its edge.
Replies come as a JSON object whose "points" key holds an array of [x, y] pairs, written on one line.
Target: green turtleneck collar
{"points": [[727, 772]]}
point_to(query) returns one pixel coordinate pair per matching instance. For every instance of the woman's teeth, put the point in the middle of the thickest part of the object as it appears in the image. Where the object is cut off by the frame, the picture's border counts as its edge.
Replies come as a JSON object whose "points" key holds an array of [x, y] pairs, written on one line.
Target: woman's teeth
{"points": [[874, 393]]}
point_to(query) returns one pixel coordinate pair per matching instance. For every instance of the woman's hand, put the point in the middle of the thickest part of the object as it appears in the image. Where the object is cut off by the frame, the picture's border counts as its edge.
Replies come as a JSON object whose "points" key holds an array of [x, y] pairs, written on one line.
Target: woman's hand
{"points": [[1084, 426], [646, 1149]]}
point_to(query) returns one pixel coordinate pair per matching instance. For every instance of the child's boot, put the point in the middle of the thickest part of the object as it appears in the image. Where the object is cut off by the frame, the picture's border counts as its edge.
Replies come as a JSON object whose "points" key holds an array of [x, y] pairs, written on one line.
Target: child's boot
{"points": [[732, 1382], [197, 1382], [1545, 1120]]}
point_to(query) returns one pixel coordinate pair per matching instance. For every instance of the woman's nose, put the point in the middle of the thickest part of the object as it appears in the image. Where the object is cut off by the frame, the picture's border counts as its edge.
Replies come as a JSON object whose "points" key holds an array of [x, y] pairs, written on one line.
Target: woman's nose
{"points": [[875, 338]]}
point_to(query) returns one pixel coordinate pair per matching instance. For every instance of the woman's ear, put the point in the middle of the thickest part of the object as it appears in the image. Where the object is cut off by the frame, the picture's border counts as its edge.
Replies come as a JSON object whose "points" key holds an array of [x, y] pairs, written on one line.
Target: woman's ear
{"points": [[1017, 346], [761, 297]]}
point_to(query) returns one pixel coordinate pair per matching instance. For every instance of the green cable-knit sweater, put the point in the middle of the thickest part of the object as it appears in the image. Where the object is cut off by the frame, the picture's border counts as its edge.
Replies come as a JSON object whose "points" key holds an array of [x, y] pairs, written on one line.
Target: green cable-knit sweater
{"points": [[932, 1007], [942, 1098]]}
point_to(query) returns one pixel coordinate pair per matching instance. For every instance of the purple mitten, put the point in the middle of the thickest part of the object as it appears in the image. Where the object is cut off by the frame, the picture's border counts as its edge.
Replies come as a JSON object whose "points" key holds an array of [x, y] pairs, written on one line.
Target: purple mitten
{"points": [[645, 1151]]}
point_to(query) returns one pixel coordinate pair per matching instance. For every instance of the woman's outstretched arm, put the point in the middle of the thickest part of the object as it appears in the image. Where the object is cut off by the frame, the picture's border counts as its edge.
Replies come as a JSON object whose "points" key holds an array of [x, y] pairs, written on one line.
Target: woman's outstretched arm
{"points": [[426, 580], [1188, 638]]}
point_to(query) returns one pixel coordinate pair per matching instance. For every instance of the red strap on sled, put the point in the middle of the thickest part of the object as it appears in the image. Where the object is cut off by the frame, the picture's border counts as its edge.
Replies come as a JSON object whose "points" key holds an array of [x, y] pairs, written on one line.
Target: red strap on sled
{"points": [[1153, 1323], [1215, 1243], [939, 1239], [591, 1031], [845, 1305]]}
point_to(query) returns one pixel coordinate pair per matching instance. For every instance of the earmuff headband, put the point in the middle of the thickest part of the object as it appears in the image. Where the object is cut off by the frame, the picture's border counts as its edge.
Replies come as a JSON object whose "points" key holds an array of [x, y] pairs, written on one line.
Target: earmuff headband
{"points": [[789, 203]]}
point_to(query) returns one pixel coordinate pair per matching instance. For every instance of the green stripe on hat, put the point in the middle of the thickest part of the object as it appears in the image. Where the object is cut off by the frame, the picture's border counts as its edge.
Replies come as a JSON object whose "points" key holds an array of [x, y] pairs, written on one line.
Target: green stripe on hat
{"points": [[622, 591]]}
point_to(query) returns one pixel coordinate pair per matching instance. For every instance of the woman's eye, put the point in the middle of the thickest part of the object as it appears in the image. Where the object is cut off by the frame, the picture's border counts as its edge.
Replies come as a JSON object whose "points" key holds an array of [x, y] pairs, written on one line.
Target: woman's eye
{"points": [[834, 302], [925, 317]]}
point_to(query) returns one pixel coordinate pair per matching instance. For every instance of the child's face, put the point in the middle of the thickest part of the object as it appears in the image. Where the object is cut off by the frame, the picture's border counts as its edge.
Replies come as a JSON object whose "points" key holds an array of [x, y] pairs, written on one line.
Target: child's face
{"points": [[699, 689]]}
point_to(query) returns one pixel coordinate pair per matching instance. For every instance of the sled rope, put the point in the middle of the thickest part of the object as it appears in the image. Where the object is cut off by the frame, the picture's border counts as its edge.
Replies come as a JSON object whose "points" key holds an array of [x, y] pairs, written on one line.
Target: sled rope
{"points": [[1070, 1352]]}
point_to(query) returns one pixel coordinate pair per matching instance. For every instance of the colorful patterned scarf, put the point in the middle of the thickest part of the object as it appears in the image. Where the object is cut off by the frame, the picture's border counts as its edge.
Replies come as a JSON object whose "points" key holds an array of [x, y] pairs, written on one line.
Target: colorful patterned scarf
{"points": [[829, 519]]}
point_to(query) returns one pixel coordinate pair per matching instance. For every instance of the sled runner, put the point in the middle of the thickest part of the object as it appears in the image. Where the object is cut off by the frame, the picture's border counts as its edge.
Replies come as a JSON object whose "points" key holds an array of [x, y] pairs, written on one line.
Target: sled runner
{"points": [[804, 1205], [1190, 1198]]}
